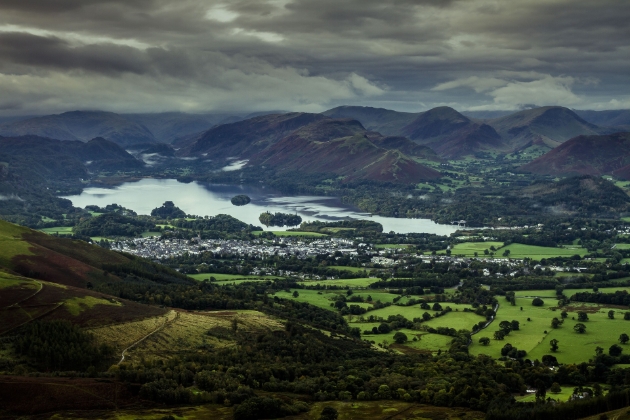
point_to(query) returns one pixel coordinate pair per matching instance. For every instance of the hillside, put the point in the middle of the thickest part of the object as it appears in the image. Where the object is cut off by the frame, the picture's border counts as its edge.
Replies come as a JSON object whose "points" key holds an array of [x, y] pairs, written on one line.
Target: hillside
{"points": [[404, 145], [547, 126], [385, 121], [245, 138], [168, 126], [611, 118], [586, 155], [451, 134], [60, 159], [354, 157], [49, 278], [83, 126]]}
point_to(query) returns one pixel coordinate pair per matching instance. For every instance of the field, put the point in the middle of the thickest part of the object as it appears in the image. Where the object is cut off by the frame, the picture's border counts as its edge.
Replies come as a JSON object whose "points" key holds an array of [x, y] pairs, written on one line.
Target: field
{"points": [[228, 277], [324, 298], [552, 293], [361, 282], [534, 335], [468, 249], [539, 252], [288, 233], [62, 230], [562, 396]]}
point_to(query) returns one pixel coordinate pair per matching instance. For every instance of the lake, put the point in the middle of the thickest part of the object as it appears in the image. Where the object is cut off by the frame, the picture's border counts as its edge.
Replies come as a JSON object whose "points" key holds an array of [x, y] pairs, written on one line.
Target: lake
{"points": [[212, 199]]}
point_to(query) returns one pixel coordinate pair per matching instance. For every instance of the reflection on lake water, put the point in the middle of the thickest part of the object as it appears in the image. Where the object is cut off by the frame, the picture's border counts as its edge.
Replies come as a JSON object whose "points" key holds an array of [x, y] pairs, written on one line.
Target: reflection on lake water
{"points": [[210, 200]]}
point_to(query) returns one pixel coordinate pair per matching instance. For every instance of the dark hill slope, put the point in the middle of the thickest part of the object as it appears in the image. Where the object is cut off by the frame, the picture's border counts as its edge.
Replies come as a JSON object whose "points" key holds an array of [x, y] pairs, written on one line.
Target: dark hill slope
{"points": [[61, 159], [353, 156], [245, 138], [547, 126], [168, 126], [585, 155], [612, 118], [81, 125], [385, 121], [51, 278], [451, 134], [404, 145]]}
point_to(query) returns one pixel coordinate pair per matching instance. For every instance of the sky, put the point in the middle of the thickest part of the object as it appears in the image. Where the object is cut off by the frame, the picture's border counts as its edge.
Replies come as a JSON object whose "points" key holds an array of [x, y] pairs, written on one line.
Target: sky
{"points": [[312, 55]]}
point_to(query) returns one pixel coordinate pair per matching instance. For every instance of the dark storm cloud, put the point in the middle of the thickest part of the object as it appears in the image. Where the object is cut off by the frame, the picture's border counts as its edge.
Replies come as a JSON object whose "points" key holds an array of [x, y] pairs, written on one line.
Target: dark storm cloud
{"points": [[312, 54]]}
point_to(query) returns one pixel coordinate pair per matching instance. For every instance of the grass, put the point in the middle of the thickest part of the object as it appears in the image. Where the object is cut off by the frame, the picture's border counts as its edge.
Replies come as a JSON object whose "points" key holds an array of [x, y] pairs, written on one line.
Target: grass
{"points": [[360, 282], [62, 230], [9, 280], [228, 277], [149, 234], [551, 294], [562, 396], [468, 249], [288, 233], [539, 252], [622, 246], [573, 347], [77, 305], [11, 243]]}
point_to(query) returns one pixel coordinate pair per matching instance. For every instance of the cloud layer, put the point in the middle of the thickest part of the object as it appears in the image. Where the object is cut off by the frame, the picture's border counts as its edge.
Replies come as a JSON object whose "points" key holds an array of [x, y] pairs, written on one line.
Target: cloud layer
{"points": [[196, 55]]}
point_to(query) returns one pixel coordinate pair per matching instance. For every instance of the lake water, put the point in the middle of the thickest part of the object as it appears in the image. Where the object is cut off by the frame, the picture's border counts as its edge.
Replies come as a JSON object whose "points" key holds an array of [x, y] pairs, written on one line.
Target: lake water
{"points": [[210, 200]]}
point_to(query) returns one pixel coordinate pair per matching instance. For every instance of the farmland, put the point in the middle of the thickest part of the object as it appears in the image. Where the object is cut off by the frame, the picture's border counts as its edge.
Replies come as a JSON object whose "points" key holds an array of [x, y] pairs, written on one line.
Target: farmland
{"points": [[290, 233]]}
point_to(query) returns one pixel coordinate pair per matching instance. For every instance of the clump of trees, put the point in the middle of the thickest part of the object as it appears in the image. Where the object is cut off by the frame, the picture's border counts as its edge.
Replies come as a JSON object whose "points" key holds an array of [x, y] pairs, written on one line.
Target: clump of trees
{"points": [[241, 200], [168, 211], [279, 219]]}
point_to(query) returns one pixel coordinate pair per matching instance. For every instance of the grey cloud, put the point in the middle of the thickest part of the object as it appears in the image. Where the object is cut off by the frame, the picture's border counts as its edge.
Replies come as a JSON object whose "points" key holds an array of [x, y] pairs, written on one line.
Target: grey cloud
{"points": [[400, 49]]}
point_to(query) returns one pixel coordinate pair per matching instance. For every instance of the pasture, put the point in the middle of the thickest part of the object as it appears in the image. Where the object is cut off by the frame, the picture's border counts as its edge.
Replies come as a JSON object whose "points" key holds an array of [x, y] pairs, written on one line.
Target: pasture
{"points": [[60, 230], [361, 282], [468, 249], [551, 294], [520, 251], [229, 277], [534, 335], [348, 268], [392, 246]]}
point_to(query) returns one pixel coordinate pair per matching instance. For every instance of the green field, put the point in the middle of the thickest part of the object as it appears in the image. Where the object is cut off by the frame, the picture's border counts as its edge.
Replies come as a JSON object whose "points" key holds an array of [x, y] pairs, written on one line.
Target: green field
{"points": [[288, 233], [361, 282], [62, 230], [562, 396], [227, 277], [468, 249], [539, 252], [622, 246], [551, 294], [573, 347]]}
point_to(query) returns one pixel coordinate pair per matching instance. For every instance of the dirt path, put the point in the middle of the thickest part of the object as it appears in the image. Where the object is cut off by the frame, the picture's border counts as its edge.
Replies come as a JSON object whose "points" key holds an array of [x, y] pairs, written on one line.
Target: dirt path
{"points": [[158, 329]]}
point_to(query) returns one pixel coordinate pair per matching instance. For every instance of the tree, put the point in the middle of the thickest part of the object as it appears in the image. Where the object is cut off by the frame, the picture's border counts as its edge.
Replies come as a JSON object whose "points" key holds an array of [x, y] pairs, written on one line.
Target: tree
{"points": [[623, 338], [384, 328], [296, 294], [484, 341], [506, 253], [499, 335], [506, 327], [437, 306], [538, 302], [328, 413], [611, 314], [564, 314], [426, 316], [582, 316], [555, 323], [554, 345], [516, 325], [400, 337], [580, 328], [626, 316], [555, 388], [615, 350]]}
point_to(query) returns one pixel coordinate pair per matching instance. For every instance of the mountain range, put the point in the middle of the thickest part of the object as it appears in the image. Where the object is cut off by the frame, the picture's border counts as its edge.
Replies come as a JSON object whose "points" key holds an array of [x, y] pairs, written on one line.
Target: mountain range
{"points": [[586, 155]]}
